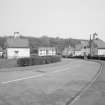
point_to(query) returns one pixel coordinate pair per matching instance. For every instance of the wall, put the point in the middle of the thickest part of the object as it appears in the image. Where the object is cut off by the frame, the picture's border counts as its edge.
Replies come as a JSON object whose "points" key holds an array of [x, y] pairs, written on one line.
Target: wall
{"points": [[1, 53], [78, 53], [68, 52], [46, 51], [101, 52], [18, 52]]}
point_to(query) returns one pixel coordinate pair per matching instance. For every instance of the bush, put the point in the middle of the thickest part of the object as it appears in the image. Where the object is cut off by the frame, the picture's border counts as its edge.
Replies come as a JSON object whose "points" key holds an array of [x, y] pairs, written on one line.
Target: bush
{"points": [[79, 57], [37, 60], [95, 57]]}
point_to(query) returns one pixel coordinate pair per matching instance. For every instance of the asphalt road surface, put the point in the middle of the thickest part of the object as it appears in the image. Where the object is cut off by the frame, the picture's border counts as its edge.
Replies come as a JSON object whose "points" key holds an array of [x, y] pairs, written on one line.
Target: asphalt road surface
{"points": [[53, 84], [95, 94]]}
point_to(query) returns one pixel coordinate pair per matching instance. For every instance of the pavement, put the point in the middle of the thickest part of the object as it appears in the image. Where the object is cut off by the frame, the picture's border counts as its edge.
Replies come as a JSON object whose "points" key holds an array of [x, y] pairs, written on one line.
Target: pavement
{"points": [[53, 84], [95, 94]]}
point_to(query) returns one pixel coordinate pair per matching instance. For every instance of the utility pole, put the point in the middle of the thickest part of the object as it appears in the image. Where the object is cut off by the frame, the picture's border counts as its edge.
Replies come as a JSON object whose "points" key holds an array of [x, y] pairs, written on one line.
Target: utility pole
{"points": [[90, 45], [16, 34]]}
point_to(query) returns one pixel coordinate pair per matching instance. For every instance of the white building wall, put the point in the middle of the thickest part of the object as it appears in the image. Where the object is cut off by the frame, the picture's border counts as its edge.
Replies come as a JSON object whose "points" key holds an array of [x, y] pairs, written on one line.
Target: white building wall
{"points": [[42, 53], [78, 53], [46, 52], [86, 51], [50, 52], [21, 52], [1, 53], [101, 52]]}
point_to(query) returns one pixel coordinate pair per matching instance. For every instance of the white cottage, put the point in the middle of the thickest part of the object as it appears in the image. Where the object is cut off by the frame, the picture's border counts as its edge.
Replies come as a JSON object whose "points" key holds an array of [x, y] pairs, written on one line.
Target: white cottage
{"points": [[17, 47], [100, 46], [68, 51], [46, 51]]}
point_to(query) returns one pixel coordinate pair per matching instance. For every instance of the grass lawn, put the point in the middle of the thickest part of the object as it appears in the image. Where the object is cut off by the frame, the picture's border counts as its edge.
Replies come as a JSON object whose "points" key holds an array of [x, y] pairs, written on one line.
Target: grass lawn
{"points": [[32, 61], [52, 88], [95, 94], [8, 63]]}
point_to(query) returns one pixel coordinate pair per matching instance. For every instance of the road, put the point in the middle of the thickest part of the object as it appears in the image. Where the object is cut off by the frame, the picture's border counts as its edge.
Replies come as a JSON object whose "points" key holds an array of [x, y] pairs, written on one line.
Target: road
{"points": [[53, 84], [95, 94]]}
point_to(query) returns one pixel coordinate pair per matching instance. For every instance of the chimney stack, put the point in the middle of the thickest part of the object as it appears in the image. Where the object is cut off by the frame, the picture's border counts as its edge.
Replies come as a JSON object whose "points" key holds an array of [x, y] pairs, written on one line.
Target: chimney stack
{"points": [[16, 34]]}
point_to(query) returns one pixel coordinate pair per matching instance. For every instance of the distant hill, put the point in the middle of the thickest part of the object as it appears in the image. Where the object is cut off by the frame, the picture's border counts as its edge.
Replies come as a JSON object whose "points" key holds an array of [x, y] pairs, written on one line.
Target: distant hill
{"points": [[45, 41]]}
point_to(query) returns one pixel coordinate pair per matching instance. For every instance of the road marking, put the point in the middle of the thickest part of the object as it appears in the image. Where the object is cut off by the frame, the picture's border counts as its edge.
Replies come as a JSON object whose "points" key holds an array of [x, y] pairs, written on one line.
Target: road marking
{"points": [[35, 76], [6, 82]]}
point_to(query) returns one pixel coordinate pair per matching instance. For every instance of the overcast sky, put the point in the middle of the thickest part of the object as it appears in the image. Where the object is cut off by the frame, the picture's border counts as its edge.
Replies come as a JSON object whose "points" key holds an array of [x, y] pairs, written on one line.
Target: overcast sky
{"points": [[63, 18]]}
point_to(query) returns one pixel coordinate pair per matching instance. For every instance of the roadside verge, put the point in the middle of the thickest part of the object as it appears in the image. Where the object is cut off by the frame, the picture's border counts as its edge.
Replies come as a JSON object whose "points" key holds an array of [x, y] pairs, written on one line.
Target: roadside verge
{"points": [[84, 89]]}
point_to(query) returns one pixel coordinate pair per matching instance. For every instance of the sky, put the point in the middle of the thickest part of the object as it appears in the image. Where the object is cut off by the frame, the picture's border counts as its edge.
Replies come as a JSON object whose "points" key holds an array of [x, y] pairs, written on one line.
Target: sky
{"points": [[53, 18]]}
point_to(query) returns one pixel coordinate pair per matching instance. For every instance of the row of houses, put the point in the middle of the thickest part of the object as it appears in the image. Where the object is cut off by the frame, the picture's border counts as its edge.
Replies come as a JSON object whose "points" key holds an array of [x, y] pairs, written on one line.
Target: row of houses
{"points": [[16, 47], [97, 47]]}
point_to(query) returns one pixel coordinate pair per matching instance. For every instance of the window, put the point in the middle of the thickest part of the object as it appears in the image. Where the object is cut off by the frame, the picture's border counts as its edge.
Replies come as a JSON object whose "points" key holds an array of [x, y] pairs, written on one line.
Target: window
{"points": [[16, 52]]}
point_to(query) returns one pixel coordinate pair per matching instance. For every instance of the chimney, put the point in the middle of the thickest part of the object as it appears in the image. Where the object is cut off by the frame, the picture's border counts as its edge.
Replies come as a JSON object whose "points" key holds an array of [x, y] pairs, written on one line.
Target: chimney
{"points": [[16, 34]]}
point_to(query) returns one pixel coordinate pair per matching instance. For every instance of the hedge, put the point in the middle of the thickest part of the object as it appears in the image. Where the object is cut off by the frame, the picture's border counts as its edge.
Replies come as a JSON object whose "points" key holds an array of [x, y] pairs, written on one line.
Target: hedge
{"points": [[96, 57], [38, 60], [89, 57]]}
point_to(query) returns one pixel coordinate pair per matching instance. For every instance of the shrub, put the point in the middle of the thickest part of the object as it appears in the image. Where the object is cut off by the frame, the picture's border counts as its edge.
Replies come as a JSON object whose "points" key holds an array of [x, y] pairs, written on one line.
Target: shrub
{"points": [[79, 57], [95, 57], [102, 58], [37, 60]]}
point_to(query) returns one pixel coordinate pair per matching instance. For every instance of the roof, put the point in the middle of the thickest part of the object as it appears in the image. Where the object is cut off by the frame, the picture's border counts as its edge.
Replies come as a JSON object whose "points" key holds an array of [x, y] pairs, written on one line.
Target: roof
{"points": [[100, 43], [17, 43], [85, 43], [78, 47], [48, 48], [69, 49]]}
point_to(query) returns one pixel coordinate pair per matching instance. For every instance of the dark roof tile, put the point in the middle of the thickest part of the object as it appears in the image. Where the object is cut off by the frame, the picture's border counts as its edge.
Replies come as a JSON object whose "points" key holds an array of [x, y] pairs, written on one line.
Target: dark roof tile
{"points": [[17, 43], [100, 43]]}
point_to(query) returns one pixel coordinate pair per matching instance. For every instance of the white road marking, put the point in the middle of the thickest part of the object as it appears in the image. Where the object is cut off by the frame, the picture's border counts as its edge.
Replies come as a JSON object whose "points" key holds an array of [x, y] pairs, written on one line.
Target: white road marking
{"points": [[35, 76], [6, 82]]}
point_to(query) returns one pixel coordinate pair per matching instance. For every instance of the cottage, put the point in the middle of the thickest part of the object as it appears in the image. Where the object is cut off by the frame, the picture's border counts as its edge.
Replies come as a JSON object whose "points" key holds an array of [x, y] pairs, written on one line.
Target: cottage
{"points": [[85, 47], [17, 47], [77, 49], [82, 48], [46, 51], [68, 51], [100, 46]]}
